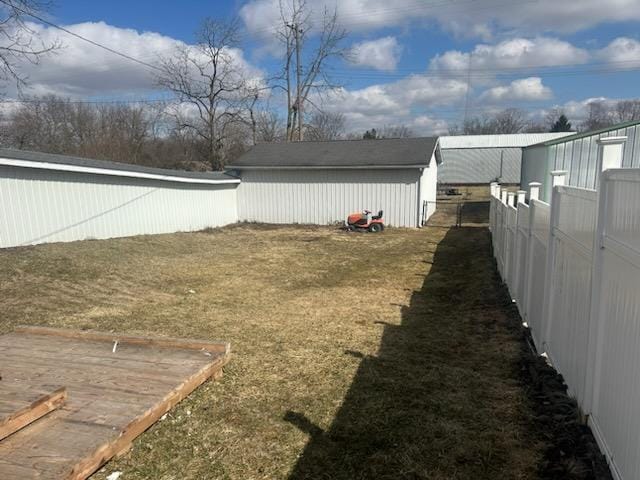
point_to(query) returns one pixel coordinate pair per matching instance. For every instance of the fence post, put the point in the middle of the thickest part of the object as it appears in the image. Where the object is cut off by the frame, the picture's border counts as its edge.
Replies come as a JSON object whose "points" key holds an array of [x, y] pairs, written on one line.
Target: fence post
{"points": [[521, 196], [610, 150], [493, 186], [534, 190], [557, 180], [534, 193], [511, 199], [503, 195]]}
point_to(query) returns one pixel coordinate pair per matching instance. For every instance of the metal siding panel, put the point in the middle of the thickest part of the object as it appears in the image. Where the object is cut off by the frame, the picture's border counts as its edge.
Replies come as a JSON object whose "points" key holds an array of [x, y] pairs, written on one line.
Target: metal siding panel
{"points": [[327, 196], [480, 165], [52, 206]]}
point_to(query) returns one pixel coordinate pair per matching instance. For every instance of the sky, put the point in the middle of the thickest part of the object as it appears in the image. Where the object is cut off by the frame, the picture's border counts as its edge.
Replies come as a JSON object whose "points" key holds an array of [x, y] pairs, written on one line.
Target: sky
{"points": [[426, 64]]}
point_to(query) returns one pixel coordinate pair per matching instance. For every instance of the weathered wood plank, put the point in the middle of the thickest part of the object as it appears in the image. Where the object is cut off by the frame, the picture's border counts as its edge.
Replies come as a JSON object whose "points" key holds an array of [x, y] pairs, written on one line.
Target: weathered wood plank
{"points": [[89, 465], [31, 412], [220, 347], [113, 397]]}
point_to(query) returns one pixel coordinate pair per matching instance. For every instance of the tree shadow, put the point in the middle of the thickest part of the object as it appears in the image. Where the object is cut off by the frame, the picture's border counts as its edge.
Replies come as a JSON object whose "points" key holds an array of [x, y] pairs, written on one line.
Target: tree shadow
{"points": [[442, 398]]}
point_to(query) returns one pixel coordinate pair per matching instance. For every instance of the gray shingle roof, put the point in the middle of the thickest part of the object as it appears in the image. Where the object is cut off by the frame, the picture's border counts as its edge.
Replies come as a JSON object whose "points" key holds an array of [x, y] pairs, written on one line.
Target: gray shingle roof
{"points": [[391, 152], [106, 165]]}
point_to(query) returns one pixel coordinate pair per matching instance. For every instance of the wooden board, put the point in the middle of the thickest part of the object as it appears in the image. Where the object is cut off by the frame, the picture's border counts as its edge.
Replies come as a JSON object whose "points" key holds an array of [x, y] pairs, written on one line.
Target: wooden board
{"points": [[23, 406], [112, 396]]}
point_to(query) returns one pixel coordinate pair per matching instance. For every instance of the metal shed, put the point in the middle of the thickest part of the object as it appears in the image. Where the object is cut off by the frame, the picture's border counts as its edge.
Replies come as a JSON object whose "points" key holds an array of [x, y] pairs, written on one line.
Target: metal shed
{"points": [[577, 154], [322, 182], [482, 159], [58, 198]]}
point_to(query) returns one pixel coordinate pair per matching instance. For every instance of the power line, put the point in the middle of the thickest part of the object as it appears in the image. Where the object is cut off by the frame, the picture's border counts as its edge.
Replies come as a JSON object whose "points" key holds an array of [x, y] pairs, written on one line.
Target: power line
{"points": [[85, 39], [87, 102]]}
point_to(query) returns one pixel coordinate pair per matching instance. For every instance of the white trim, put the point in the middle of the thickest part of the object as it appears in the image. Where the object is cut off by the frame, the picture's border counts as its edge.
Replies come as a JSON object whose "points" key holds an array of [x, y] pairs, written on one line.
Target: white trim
{"points": [[318, 167], [105, 171]]}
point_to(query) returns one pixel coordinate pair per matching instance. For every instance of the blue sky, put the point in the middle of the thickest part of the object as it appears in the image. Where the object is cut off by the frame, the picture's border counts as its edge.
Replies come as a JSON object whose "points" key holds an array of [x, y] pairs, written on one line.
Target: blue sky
{"points": [[412, 61]]}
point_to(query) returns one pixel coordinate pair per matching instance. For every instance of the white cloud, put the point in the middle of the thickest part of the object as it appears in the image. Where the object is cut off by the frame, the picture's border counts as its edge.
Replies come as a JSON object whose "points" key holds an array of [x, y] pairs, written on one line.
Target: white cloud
{"points": [[395, 103], [624, 52], [476, 18], [381, 54], [426, 125], [414, 91], [80, 69], [524, 89], [516, 53]]}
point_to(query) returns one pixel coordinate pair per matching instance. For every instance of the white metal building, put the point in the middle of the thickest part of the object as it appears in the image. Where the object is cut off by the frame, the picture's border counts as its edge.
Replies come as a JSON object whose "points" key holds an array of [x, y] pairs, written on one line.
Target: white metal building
{"points": [[55, 198], [482, 159], [577, 154], [322, 182]]}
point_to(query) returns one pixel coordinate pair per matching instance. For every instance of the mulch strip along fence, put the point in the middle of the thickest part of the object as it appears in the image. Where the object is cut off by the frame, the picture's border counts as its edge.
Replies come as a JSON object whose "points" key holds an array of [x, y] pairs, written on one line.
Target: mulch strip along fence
{"points": [[572, 452]]}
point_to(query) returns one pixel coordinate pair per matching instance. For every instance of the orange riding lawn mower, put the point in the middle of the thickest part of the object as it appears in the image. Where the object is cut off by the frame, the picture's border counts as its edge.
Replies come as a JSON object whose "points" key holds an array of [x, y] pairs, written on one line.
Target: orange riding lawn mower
{"points": [[365, 222]]}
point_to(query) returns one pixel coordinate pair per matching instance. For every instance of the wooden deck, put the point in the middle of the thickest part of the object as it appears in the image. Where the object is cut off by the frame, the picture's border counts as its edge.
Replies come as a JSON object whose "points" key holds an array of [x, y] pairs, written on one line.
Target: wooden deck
{"points": [[74, 401]]}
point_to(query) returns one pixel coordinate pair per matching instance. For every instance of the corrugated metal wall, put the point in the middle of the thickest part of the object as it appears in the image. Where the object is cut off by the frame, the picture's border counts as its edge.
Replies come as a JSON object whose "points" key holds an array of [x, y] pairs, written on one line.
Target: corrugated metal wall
{"points": [[579, 157], [480, 165], [326, 196], [39, 206], [535, 169]]}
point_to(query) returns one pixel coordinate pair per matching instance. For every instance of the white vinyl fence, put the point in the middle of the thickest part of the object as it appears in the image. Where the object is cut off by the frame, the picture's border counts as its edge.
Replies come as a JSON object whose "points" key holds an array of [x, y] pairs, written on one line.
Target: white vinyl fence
{"points": [[573, 269]]}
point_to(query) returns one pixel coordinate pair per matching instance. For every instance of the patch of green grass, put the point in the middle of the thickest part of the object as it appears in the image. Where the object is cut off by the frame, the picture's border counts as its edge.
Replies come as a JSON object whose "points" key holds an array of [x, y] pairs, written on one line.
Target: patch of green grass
{"points": [[354, 355]]}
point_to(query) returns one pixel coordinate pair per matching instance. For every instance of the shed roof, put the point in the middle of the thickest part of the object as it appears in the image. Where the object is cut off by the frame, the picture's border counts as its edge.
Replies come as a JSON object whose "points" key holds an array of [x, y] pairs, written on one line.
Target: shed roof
{"points": [[49, 161], [576, 136], [515, 140], [382, 153]]}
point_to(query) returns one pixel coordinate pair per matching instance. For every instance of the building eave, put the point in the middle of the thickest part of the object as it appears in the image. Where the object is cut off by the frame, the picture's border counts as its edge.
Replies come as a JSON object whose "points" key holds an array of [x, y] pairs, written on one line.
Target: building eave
{"points": [[112, 172]]}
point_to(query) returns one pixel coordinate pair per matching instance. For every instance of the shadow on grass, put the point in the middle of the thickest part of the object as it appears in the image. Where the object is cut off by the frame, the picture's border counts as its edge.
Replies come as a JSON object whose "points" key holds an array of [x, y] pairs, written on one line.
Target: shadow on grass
{"points": [[442, 398]]}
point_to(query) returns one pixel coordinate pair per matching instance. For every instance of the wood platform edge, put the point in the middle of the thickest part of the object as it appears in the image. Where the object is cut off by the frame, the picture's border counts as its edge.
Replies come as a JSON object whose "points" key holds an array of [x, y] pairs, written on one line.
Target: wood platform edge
{"points": [[21, 418], [168, 342], [103, 454]]}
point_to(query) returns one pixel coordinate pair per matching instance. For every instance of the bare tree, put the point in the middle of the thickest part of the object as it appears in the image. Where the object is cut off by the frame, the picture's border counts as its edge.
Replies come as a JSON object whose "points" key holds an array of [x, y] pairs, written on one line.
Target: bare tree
{"points": [[599, 115], [324, 126], [52, 124], [304, 71], [268, 127], [20, 42], [628, 110], [511, 120], [395, 131], [207, 79]]}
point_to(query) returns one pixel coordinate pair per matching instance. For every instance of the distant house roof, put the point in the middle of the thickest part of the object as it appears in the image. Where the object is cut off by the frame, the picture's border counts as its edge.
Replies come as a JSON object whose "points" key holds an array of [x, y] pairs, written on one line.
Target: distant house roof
{"points": [[576, 136], [383, 153], [48, 161], [516, 140]]}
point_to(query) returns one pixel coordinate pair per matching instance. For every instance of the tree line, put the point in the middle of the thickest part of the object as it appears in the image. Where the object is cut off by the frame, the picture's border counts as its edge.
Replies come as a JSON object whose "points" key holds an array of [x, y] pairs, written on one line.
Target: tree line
{"points": [[220, 108], [599, 114]]}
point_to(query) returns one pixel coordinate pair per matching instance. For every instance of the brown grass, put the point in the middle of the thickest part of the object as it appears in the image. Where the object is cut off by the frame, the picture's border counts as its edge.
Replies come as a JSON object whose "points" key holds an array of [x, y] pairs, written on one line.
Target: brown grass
{"points": [[355, 355]]}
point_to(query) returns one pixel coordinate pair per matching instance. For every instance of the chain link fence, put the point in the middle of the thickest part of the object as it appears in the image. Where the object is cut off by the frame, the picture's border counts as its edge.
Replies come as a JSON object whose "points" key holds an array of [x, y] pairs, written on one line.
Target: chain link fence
{"points": [[457, 212]]}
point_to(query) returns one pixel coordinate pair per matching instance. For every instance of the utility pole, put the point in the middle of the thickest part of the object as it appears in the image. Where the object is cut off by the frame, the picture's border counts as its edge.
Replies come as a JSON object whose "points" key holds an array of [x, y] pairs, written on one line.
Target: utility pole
{"points": [[295, 27], [298, 31]]}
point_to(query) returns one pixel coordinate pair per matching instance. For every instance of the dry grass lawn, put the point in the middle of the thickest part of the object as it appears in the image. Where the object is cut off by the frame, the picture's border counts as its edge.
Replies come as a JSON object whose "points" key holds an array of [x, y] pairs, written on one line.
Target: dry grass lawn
{"points": [[355, 355]]}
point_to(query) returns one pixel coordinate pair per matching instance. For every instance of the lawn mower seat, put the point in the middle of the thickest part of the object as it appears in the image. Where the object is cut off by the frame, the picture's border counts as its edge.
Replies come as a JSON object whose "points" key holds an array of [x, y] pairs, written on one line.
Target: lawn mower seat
{"points": [[378, 216]]}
